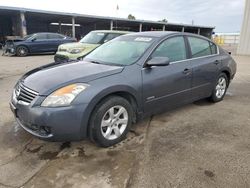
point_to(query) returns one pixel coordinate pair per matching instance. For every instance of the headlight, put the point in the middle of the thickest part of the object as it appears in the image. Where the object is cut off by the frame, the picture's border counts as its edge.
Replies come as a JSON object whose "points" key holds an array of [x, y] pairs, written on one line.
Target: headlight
{"points": [[64, 96], [61, 50], [76, 50]]}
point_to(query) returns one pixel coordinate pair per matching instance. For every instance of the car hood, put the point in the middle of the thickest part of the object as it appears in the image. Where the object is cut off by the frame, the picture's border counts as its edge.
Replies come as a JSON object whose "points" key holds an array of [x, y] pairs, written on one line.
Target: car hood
{"points": [[73, 45], [50, 77]]}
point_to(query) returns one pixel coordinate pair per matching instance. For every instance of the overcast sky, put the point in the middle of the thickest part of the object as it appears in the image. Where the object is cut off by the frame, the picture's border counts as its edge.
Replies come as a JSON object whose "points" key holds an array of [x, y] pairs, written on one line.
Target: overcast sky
{"points": [[225, 15]]}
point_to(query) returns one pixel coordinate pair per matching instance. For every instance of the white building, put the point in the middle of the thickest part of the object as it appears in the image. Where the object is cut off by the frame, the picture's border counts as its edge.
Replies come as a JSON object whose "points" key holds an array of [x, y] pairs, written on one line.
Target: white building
{"points": [[244, 44]]}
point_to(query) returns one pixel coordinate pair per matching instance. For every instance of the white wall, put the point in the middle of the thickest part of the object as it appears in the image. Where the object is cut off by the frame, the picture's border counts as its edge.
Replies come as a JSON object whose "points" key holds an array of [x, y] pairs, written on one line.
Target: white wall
{"points": [[244, 44]]}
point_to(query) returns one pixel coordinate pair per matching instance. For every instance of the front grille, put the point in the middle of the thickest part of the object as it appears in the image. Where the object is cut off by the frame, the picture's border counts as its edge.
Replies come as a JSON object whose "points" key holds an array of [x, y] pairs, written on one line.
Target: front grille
{"points": [[24, 94]]}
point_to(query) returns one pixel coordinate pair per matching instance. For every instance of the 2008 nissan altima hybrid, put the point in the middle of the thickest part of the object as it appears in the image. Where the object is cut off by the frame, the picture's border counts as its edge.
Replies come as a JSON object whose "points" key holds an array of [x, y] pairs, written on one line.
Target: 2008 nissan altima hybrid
{"points": [[126, 79]]}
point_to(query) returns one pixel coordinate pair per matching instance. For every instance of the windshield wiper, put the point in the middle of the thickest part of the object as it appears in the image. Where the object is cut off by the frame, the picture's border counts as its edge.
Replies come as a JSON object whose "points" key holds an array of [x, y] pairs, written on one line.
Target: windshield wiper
{"points": [[111, 64]]}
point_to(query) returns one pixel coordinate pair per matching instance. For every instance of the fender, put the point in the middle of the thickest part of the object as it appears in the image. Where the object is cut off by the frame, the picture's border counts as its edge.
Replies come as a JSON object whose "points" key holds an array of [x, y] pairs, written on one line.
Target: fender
{"points": [[101, 95]]}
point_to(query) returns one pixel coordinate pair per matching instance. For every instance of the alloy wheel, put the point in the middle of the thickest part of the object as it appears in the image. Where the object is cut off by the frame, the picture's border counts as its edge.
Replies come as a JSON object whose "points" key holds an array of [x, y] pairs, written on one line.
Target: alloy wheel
{"points": [[221, 87], [114, 122]]}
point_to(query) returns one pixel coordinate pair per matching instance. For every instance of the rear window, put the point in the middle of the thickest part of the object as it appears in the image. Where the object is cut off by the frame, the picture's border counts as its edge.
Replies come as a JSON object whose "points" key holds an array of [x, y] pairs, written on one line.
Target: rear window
{"points": [[199, 47]]}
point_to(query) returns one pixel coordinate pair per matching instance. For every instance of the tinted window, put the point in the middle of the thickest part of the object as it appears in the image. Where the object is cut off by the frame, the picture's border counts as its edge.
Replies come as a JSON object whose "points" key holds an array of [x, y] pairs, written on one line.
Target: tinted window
{"points": [[41, 36], [55, 36], [199, 47], [213, 48], [173, 48], [111, 36]]}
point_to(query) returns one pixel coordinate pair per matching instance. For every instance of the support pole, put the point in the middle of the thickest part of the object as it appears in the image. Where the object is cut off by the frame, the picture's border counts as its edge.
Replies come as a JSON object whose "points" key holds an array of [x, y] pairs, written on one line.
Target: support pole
{"points": [[140, 27], [111, 25], [60, 27], [183, 29], [73, 27], [23, 24], [199, 31], [163, 28]]}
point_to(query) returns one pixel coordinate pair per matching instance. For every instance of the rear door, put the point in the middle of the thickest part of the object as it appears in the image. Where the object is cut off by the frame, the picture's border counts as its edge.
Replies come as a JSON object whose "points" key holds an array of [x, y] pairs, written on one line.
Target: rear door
{"points": [[54, 40], [167, 86], [205, 64]]}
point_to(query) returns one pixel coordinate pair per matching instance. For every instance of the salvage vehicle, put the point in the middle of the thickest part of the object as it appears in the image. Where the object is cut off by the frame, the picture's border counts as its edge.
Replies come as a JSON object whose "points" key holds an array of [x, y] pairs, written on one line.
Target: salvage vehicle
{"points": [[37, 43], [92, 40], [126, 79]]}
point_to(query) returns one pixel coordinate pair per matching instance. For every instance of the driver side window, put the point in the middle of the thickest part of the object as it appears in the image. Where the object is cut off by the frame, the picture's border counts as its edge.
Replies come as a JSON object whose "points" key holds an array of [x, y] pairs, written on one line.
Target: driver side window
{"points": [[174, 48]]}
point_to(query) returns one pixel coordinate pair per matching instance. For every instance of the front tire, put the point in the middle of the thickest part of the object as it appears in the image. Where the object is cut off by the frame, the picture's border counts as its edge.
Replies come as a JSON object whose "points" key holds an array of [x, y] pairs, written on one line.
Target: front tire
{"points": [[110, 121], [22, 51], [220, 88]]}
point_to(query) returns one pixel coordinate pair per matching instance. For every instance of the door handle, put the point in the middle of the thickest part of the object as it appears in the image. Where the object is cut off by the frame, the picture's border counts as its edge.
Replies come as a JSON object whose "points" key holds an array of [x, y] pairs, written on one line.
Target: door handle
{"points": [[216, 62], [186, 71]]}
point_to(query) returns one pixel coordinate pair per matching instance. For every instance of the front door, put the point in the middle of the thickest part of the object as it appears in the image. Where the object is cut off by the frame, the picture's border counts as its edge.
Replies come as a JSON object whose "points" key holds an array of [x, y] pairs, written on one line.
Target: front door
{"points": [[167, 86], [39, 43]]}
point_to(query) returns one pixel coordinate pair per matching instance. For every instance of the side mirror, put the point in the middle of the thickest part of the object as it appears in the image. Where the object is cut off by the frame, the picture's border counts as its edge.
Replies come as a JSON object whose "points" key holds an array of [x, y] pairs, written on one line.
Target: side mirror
{"points": [[34, 39], [158, 61]]}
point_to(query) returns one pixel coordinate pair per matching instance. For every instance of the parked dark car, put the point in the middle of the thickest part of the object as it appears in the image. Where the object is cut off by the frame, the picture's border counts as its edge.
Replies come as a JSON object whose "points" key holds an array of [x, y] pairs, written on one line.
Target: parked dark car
{"points": [[126, 79], [37, 43]]}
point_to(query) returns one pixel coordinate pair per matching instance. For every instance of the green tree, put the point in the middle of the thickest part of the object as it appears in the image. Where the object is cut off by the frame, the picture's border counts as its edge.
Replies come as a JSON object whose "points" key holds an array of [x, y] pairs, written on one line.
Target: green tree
{"points": [[131, 17], [164, 20]]}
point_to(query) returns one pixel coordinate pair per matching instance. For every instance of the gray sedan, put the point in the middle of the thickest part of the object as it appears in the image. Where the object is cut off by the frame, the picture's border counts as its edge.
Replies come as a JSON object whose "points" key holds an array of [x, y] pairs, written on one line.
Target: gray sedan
{"points": [[120, 82]]}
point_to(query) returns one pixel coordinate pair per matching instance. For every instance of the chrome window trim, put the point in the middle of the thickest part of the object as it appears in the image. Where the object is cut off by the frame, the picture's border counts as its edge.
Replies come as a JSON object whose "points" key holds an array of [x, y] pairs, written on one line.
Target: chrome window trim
{"points": [[173, 62], [194, 58]]}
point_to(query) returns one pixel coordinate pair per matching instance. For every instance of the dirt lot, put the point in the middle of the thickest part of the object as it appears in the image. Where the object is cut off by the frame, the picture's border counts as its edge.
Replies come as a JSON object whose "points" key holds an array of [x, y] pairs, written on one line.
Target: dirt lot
{"points": [[198, 145]]}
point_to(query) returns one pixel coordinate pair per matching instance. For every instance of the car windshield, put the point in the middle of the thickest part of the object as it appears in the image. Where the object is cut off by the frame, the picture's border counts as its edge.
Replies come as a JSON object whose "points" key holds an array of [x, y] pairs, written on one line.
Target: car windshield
{"points": [[122, 51], [93, 38], [26, 37]]}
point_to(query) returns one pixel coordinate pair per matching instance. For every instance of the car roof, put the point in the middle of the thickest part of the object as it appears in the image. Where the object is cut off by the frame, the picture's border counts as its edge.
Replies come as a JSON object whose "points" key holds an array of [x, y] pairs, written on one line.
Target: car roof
{"points": [[163, 34], [46, 33], [157, 34], [112, 31]]}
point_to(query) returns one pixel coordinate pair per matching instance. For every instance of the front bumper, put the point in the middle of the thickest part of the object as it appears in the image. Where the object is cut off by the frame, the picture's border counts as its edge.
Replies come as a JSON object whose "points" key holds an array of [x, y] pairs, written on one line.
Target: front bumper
{"points": [[65, 56], [54, 124], [10, 50]]}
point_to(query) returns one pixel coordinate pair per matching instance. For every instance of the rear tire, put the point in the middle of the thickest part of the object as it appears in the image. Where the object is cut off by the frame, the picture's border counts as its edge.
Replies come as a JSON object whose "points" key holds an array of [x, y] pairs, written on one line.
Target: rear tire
{"points": [[220, 88], [22, 51], [110, 121]]}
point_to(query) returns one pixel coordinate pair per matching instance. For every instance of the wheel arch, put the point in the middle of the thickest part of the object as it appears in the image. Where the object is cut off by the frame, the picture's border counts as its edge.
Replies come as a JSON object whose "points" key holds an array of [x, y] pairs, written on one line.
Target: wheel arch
{"points": [[24, 46], [228, 73], [127, 93]]}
